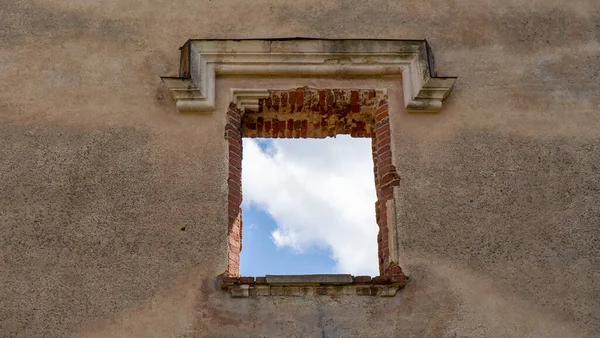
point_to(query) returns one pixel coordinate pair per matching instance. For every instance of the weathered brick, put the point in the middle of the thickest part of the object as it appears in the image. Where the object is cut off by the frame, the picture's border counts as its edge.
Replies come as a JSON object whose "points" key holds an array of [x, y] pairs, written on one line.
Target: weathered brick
{"points": [[260, 280], [394, 269], [235, 159], [382, 140], [233, 214], [261, 104], [383, 149], [386, 168], [227, 281], [385, 194], [281, 128], [234, 143], [304, 129], [299, 97], [381, 280], [233, 204], [234, 258], [362, 280], [389, 178], [260, 124], [275, 130], [247, 280], [382, 131], [284, 98]]}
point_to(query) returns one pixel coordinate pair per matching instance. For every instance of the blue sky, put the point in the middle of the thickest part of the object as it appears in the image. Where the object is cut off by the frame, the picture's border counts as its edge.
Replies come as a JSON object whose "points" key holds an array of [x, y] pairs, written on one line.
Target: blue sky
{"points": [[308, 207], [260, 256]]}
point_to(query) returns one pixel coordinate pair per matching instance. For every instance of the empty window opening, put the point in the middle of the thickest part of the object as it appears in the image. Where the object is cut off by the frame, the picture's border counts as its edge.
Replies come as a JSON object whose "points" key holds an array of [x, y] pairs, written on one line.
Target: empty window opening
{"points": [[314, 209], [308, 207]]}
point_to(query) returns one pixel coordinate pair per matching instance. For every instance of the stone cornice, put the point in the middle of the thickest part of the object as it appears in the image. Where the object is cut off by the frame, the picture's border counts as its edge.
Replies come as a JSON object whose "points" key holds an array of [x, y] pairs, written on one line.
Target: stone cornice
{"points": [[203, 60]]}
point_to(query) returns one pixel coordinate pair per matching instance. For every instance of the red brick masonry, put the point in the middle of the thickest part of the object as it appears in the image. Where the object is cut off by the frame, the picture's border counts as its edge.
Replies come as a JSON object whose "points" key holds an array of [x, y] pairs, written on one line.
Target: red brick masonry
{"points": [[314, 113]]}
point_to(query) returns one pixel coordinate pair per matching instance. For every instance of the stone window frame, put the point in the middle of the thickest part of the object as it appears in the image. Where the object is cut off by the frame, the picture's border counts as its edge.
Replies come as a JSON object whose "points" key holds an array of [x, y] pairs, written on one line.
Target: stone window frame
{"points": [[194, 91]]}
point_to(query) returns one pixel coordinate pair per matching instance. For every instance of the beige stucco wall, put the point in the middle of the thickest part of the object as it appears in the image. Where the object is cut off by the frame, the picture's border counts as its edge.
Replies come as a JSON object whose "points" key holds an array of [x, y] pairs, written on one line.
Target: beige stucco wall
{"points": [[499, 202]]}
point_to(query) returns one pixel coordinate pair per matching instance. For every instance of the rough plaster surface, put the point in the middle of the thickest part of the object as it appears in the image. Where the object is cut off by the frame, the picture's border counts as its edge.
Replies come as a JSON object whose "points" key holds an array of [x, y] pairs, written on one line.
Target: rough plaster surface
{"points": [[499, 200]]}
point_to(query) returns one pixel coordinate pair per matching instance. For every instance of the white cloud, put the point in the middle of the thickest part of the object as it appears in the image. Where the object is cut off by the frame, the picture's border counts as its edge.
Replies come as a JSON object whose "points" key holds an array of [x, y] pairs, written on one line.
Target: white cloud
{"points": [[321, 193]]}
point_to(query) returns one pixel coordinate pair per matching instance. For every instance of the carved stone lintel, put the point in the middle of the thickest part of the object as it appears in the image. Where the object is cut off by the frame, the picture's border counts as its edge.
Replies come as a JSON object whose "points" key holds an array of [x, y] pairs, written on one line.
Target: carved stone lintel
{"points": [[204, 60]]}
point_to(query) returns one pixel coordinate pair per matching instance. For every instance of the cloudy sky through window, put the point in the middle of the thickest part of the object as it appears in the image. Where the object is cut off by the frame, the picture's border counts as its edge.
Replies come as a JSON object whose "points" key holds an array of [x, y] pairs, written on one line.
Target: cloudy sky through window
{"points": [[308, 207]]}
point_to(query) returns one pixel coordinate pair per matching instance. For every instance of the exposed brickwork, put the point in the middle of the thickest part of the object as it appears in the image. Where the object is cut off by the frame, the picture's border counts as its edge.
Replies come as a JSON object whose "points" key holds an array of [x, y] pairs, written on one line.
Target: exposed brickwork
{"points": [[233, 135], [362, 280], [312, 113], [385, 179]]}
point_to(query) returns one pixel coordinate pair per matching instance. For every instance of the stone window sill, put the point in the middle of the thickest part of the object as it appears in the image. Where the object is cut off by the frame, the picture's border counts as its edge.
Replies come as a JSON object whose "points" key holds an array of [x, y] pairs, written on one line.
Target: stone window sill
{"points": [[309, 285]]}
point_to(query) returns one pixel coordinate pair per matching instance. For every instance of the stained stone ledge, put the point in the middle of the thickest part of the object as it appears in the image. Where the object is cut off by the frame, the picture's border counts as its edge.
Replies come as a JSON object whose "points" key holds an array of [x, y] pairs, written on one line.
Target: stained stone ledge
{"points": [[311, 285], [309, 279]]}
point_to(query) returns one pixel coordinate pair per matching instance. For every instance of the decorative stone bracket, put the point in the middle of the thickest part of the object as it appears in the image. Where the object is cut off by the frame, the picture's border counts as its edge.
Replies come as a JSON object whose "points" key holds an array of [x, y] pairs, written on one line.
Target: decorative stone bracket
{"points": [[310, 285], [203, 60]]}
